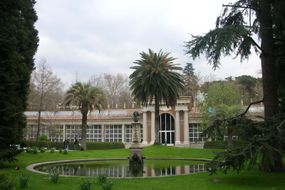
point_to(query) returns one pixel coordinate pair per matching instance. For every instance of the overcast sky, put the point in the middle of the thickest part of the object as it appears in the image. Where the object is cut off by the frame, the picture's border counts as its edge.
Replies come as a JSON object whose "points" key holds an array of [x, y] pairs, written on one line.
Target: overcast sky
{"points": [[91, 37]]}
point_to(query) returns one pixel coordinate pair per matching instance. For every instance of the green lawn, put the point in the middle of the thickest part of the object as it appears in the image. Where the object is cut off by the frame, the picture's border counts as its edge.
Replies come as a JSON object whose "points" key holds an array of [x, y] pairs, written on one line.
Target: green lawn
{"points": [[246, 180]]}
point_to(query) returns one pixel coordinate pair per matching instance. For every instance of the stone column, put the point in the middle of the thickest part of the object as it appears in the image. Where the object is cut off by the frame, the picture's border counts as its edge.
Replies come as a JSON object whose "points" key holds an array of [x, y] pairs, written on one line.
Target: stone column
{"points": [[63, 131], [186, 128], [103, 133], [123, 133], [152, 139], [144, 128], [177, 128]]}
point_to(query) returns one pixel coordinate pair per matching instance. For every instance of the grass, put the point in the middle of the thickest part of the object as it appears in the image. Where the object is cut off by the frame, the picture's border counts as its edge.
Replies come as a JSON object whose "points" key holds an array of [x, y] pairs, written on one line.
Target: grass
{"points": [[246, 180]]}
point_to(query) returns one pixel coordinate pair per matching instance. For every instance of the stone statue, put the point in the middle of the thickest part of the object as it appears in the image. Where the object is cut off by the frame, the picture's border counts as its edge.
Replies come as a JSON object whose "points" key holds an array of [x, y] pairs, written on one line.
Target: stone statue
{"points": [[136, 116]]}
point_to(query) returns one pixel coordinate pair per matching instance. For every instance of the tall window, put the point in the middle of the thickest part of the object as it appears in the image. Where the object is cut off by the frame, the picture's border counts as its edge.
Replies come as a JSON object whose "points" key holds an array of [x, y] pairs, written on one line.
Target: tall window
{"points": [[195, 131], [56, 133], [113, 133], [72, 132], [94, 133]]}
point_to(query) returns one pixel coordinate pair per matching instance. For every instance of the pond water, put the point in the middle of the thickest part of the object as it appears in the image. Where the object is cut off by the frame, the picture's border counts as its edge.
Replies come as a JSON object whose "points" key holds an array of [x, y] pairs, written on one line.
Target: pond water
{"points": [[121, 169]]}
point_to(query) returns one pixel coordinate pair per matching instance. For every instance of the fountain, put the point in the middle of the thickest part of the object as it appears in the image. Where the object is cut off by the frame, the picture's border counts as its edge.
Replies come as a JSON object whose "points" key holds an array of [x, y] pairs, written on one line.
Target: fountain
{"points": [[136, 157]]}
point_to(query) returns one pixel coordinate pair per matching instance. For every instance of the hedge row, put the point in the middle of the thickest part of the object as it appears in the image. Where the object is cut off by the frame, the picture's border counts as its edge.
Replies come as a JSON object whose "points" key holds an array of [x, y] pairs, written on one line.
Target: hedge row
{"points": [[221, 144], [59, 145]]}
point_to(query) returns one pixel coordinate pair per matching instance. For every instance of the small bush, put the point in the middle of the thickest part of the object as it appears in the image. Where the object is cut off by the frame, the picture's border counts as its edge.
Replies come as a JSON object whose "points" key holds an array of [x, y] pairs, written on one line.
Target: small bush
{"points": [[102, 178], [43, 138], [85, 185], [35, 150], [65, 151], [107, 185], [53, 176], [40, 144], [23, 180]]}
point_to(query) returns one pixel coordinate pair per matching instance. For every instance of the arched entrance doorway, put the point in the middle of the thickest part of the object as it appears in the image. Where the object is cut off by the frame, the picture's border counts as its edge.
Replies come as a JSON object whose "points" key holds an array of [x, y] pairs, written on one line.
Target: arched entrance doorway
{"points": [[166, 129]]}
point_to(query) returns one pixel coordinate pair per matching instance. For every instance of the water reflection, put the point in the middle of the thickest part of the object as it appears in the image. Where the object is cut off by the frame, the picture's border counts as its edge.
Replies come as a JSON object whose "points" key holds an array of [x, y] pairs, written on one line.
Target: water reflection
{"points": [[120, 169]]}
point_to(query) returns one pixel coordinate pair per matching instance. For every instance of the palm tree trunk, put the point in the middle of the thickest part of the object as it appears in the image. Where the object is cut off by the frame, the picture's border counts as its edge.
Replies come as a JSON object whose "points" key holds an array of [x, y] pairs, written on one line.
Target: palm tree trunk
{"points": [[268, 71], [84, 130], [156, 113]]}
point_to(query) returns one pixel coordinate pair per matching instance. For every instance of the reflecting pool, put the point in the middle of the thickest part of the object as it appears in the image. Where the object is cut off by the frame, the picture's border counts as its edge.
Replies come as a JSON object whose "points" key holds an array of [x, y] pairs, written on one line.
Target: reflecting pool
{"points": [[121, 169]]}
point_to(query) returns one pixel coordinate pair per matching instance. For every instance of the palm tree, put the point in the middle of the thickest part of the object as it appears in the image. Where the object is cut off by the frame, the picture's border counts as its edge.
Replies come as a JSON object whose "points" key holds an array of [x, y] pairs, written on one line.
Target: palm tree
{"points": [[86, 97], [155, 78]]}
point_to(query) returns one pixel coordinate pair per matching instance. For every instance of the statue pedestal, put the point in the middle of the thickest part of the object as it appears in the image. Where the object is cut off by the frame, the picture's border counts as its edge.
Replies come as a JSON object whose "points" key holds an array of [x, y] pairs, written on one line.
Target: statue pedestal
{"points": [[136, 158]]}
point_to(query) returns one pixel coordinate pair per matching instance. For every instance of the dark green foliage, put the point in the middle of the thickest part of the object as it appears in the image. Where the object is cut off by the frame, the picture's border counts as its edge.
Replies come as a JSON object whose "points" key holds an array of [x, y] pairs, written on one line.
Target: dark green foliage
{"points": [[261, 147], [85, 184], [221, 41], [191, 86], [42, 144], [6, 183], [23, 180], [107, 186], [221, 144], [18, 44], [102, 178], [8, 156]]}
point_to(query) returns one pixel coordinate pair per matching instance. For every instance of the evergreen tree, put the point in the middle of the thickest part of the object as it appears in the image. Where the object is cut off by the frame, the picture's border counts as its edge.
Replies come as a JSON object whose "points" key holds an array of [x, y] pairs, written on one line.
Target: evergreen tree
{"points": [[191, 82], [233, 34], [18, 44]]}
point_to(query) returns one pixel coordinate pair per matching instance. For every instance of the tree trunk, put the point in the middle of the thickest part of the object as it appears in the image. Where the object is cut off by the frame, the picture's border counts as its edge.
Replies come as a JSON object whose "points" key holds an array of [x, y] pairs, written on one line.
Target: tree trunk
{"points": [[268, 70], [230, 137], [267, 61], [156, 113], [39, 115], [84, 112]]}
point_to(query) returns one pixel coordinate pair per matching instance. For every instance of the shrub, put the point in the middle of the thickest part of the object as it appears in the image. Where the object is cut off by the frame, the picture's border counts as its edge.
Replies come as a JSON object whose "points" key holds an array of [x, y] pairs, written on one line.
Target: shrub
{"points": [[43, 138], [35, 150], [104, 145], [65, 151], [85, 185], [41, 144], [53, 176], [8, 156], [42, 149], [107, 185], [102, 178], [23, 180]]}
